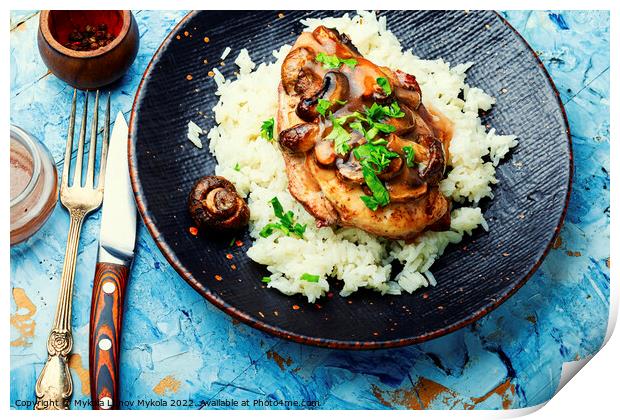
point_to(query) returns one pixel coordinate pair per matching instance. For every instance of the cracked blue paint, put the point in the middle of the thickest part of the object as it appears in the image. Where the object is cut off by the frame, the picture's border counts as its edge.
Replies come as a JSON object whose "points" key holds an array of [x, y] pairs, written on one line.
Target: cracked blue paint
{"points": [[560, 315]]}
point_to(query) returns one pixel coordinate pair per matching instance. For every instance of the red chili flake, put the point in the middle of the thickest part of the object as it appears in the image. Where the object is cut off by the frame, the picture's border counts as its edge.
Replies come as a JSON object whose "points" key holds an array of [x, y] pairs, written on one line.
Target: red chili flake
{"points": [[229, 256], [295, 307], [193, 230], [189, 77], [425, 296], [318, 306], [218, 277], [186, 33], [233, 266], [330, 295], [238, 243]]}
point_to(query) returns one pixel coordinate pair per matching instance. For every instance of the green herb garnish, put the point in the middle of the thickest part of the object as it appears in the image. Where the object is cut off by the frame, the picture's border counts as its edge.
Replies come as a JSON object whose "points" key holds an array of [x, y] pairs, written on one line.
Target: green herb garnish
{"points": [[409, 155], [322, 106], [334, 62], [266, 279], [385, 85], [237, 167], [266, 130], [310, 278], [376, 157], [380, 194], [340, 136], [287, 223]]}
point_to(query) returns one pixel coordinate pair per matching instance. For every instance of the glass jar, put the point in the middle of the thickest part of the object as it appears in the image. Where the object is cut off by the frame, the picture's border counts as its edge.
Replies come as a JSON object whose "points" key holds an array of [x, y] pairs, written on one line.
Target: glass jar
{"points": [[34, 185]]}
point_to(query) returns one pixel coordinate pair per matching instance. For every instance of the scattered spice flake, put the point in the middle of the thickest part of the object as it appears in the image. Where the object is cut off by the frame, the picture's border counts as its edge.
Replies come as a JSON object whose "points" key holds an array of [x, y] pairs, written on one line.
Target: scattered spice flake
{"points": [[189, 77], [487, 26], [233, 267], [178, 36], [238, 243], [186, 33], [318, 306], [275, 313], [193, 230], [232, 241], [295, 307], [608, 262], [573, 254], [349, 302], [521, 216], [557, 243], [206, 39], [205, 61], [261, 314], [330, 295], [375, 333], [505, 254], [440, 307], [229, 256], [222, 64], [211, 74], [504, 90], [425, 296], [280, 15], [218, 277]]}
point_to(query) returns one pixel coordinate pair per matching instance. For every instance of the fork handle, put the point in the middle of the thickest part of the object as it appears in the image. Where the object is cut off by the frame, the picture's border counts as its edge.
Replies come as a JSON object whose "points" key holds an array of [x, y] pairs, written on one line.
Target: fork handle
{"points": [[105, 332]]}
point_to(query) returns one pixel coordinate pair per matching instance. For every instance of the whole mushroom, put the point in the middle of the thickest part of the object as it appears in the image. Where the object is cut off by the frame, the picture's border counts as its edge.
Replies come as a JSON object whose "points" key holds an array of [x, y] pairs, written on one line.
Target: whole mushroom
{"points": [[215, 205]]}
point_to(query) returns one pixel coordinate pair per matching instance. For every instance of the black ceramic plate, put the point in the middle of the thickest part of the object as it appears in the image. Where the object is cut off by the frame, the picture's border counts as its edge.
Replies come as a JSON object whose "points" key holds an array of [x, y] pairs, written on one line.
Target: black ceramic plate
{"points": [[473, 278]]}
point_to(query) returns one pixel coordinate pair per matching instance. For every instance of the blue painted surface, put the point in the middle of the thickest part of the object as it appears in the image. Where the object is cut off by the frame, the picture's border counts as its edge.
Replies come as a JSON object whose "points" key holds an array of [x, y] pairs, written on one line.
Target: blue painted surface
{"points": [[178, 346]]}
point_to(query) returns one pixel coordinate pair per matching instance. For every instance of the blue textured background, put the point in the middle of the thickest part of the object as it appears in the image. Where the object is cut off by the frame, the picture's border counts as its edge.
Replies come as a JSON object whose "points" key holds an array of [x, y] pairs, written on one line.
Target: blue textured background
{"points": [[176, 345]]}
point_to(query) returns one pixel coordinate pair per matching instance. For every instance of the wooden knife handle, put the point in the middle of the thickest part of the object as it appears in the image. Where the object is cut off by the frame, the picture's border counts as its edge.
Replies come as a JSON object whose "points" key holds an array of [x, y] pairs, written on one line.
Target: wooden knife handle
{"points": [[106, 318]]}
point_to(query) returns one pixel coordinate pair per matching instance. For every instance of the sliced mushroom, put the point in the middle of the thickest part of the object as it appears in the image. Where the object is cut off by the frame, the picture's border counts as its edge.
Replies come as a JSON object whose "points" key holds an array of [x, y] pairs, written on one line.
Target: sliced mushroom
{"points": [[392, 170], [350, 170], [396, 144], [293, 63], [335, 89], [435, 167], [408, 97], [214, 204], [325, 153], [299, 138]]}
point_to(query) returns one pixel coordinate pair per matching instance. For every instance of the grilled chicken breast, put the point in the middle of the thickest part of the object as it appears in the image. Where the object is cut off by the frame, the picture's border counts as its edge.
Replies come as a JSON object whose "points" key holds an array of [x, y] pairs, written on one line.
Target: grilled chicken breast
{"points": [[360, 147]]}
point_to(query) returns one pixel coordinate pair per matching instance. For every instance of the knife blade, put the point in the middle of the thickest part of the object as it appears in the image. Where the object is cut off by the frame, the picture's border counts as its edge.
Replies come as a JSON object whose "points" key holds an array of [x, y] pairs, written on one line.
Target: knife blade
{"points": [[117, 240]]}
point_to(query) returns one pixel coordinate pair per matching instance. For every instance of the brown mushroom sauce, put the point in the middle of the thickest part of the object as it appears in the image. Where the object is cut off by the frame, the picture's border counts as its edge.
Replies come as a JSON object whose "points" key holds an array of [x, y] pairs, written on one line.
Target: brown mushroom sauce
{"points": [[351, 89], [215, 205]]}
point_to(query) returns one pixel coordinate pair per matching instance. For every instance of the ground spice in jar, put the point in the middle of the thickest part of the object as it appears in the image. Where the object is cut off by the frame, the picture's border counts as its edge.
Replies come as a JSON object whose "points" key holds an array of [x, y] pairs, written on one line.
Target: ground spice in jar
{"points": [[89, 37]]}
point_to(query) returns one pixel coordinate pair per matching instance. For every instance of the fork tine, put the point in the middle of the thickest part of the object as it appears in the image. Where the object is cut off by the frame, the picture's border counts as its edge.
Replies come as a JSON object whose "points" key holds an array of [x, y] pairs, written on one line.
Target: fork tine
{"points": [[104, 147], [90, 171], [77, 176], [69, 147]]}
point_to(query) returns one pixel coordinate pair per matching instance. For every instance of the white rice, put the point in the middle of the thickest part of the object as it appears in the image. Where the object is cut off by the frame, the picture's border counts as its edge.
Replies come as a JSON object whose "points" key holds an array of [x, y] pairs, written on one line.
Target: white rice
{"points": [[354, 256]]}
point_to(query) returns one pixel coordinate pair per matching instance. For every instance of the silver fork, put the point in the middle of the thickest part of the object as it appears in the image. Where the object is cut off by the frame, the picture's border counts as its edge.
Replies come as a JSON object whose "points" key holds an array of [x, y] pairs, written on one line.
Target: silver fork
{"points": [[54, 385]]}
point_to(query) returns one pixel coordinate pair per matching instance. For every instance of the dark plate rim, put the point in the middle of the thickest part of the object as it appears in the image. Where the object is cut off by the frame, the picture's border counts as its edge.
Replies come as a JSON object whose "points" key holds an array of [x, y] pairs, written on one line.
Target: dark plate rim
{"points": [[300, 338]]}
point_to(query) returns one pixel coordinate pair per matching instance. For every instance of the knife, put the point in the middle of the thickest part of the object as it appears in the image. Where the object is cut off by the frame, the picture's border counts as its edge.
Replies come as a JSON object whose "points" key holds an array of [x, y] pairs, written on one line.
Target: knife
{"points": [[117, 241]]}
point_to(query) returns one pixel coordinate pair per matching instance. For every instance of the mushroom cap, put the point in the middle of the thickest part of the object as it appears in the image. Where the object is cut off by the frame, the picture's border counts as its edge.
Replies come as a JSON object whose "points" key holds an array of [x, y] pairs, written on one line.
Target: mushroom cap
{"points": [[214, 204]]}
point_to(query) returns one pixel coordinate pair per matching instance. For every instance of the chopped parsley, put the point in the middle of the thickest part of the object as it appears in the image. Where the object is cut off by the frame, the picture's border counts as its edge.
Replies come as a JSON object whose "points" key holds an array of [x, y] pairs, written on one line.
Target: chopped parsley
{"points": [[409, 155], [340, 136], [333, 61], [287, 223], [323, 106], [385, 85], [266, 130], [310, 278], [266, 279], [380, 195], [237, 167]]}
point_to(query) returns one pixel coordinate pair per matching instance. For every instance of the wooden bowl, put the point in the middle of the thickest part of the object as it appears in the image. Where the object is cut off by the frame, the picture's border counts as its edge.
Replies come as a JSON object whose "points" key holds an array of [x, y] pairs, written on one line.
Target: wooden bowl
{"points": [[88, 69]]}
